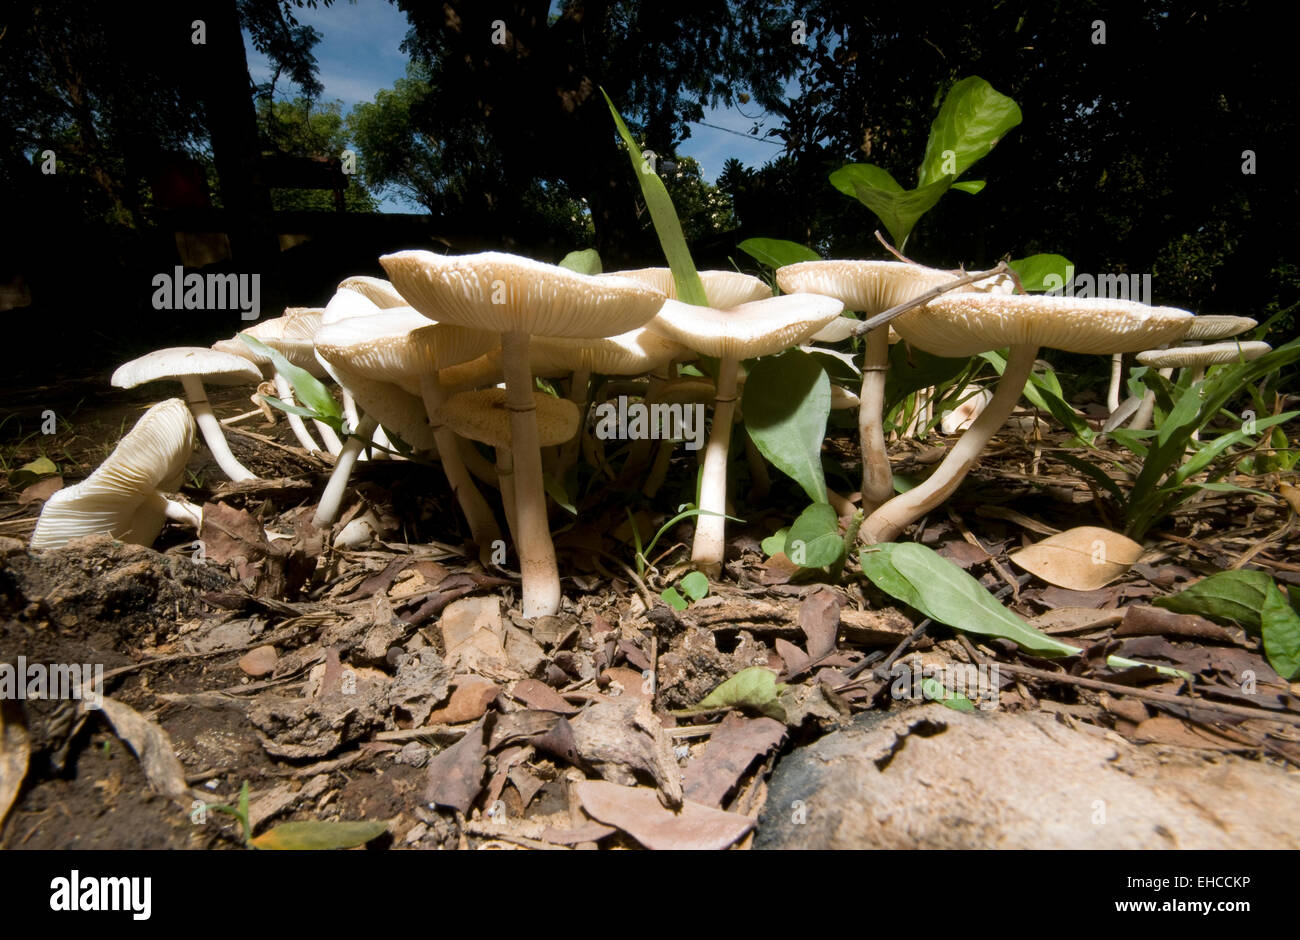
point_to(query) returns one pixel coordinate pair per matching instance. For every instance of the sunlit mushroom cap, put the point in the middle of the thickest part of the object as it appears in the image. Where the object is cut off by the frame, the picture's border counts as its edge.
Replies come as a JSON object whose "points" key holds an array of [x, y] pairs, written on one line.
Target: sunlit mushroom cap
{"points": [[290, 335], [1218, 326], [123, 497], [630, 353], [485, 370], [1208, 355], [212, 366], [964, 324], [757, 328], [395, 408], [399, 345], [346, 304], [379, 292], [724, 289], [868, 287], [505, 293], [484, 416]]}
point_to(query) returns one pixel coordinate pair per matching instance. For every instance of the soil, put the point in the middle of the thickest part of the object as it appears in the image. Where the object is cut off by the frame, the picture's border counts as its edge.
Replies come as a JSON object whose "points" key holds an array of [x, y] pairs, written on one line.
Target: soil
{"points": [[397, 688]]}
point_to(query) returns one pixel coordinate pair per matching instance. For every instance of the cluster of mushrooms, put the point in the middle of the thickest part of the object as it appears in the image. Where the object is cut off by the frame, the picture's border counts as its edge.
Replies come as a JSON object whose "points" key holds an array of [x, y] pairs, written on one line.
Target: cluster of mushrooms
{"points": [[447, 350]]}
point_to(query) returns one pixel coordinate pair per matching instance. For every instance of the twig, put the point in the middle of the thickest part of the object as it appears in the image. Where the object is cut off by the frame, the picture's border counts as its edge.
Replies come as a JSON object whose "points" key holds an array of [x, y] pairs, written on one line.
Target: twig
{"points": [[881, 319]]}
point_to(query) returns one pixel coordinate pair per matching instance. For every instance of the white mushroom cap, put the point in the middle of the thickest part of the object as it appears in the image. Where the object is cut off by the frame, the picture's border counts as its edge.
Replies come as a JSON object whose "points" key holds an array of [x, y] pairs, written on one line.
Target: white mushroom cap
{"points": [[1207, 355], [838, 329], [1218, 326], [630, 353], [210, 365], [484, 416], [390, 404], [375, 289], [724, 289], [757, 328], [868, 287], [964, 324], [346, 304], [399, 345], [507, 293], [123, 497], [290, 335]]}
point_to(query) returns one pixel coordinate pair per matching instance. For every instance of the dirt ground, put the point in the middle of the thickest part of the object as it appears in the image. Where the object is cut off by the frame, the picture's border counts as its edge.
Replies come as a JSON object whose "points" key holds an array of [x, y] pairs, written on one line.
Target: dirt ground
{"points": [[397, 682]]}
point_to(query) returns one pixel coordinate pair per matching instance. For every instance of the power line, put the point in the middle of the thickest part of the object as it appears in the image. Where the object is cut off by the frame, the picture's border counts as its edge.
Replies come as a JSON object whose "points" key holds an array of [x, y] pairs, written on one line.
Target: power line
{"points": [[719, 127]]}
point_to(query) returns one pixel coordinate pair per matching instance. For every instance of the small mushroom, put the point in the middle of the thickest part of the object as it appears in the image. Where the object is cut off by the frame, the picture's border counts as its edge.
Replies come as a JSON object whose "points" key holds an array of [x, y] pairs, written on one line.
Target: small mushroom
{"points": [[192, 366], [124, 496], [1207, 326]]}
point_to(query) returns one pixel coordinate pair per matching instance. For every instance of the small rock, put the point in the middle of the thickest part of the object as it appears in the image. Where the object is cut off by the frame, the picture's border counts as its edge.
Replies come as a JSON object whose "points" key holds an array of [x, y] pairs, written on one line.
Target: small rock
{"points": [[259, 662]]}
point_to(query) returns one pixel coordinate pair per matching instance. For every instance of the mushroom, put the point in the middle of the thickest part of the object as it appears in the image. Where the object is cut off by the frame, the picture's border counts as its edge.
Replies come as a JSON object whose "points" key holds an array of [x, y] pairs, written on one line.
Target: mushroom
{"points": [[485, 416], [123, 497], [756, 328], [1209, 326], [965, 324], [192, 366], [518, 298], [868, 287], [401, 346], [379, 292], [1198, 358]]}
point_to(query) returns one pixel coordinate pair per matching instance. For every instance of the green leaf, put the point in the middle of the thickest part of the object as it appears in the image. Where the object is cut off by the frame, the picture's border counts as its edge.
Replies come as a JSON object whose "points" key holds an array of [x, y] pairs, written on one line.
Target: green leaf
{"points": [[1034, 270], [690, 289], [1228, 597], [924, 579], [308, 389], [586, 261], [777, 252], [897, 208], [786, 402], [1281, 629], [972, 119], [291, 409], [774, 544], [971, 186], [29, 473], [320, 835], [911, 369], [555, 490], [673, 599], [755, 687], [814, 540], [936, 691], [696, 585]]}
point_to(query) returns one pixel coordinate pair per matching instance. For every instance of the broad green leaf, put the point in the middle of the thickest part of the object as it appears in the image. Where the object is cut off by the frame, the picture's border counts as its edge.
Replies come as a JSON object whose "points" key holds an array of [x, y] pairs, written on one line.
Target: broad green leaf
{"points": [[29, 473], [936, 691], [1229, 596], [1281, 629], [320, 835], [911, 369], [1206, 455], [971, 120], [774, 544], [308, 389], [814, 540], [945, 593], [786, 402], [696, 585], [897, 208], [555, 490], [673, 599], [586, 261], [291, 409], [690, 289], [755, 687], [971, 186], [777, 252], [1034, 270]]}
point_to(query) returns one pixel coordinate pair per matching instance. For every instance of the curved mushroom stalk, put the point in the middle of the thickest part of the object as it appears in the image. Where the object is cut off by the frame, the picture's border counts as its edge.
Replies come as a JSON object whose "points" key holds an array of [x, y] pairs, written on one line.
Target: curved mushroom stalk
{"points": [[210, 428], [877, 476], [331, 500], [1116, 380], [889, 521], [285, 391], [711, 524], [184, 512]]}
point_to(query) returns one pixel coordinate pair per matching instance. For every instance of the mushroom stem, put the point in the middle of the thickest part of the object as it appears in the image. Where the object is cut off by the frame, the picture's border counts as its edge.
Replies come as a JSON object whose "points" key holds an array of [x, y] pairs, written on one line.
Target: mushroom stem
{"points": [[569, 450], [210, 428], [186, 513], [475, 462], [350, 409], [658, 470], [711, 524], [1147, 410], [888, 522], [285, 391], [541, 576], [877, 477], [331, 500], [482, 524], [328, 437], [506, 478], [1116, 379]]}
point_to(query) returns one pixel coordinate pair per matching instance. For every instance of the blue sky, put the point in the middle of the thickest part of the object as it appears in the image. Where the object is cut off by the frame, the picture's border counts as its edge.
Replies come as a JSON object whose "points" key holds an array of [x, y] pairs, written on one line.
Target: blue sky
{"points": [[359, 54]]}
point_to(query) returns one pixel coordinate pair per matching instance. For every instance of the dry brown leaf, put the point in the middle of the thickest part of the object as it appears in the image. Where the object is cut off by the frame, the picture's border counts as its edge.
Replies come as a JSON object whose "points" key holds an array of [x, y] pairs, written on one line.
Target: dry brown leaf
{"points": [[1291, 494], [151, 744], [536, 694], [1080, 559], [456, 774], [819, 618], [638, 812], [44, 489], [732, 748], [14, 750]]}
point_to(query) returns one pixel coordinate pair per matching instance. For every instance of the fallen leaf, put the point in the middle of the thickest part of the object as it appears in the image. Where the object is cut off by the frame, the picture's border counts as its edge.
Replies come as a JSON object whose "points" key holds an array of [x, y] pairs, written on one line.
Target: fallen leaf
{"points": [[39, 492], [1291, 494], [320, 835], [151, 744], [470, 698], [638, 812], [735, 744], [1141, 620], [14, 752], [819, 618], [536, 694], [1081, 559], [456, 774], [795, 659]]}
